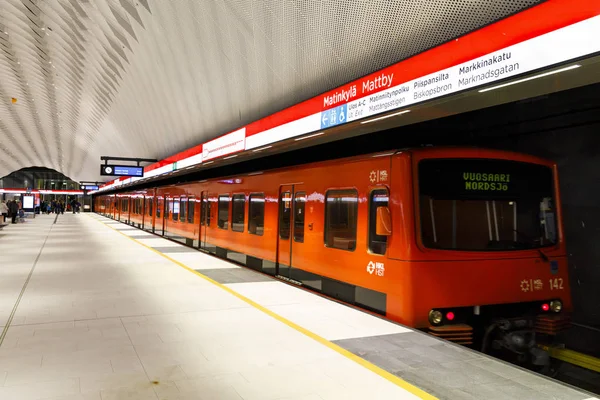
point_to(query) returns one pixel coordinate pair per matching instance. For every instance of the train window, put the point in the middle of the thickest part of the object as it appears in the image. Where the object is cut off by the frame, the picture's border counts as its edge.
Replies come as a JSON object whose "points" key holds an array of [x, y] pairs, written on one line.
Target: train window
{"points": [[237, 212], [223, 217], [183, 210], [124, 205], [149, 205], [158, 208], [285, 214], [340, 219], [191, 209], [377, 243], [175, 206], [256, 214], [299, 205], [205, 212]]}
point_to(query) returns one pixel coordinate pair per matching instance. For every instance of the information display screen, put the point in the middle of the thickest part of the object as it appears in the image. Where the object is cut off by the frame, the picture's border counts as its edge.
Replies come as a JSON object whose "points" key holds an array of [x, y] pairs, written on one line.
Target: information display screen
{"points": [[28, 202], [121, 170]]}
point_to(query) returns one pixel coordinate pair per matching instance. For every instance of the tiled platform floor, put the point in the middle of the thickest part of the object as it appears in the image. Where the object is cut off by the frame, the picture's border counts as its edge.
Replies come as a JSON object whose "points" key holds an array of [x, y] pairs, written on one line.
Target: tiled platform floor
{"points": [[105, 317]]}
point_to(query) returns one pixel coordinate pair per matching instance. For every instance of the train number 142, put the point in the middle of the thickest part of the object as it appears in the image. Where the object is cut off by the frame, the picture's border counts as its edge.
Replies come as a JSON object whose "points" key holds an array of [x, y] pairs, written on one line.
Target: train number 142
{"points": [[556, 284]]}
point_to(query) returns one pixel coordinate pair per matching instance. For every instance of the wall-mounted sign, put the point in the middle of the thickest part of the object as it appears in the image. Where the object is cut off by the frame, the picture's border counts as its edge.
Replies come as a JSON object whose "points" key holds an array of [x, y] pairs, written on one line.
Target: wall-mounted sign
{"points": [[28, 202], [121, 170], [89, 187], [549, 34]]}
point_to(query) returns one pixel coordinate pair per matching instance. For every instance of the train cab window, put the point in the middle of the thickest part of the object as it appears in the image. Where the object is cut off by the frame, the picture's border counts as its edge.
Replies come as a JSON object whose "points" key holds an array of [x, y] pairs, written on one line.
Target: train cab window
{"points": [[191, 209], [256, 214], [176, 207], [237, 212], [223, 217], [285, 214], [183, 210], [340, 219], [299, 211], [377, 243], [486, 205]]}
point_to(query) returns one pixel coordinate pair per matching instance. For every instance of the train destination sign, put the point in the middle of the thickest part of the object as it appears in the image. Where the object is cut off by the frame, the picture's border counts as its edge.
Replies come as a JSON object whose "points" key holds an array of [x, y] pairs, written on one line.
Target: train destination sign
{"points": [[478, 178], [486, 181]]}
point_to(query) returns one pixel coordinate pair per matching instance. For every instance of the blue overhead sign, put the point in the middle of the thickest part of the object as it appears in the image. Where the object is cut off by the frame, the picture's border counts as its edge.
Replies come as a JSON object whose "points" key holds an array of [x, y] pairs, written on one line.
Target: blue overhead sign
{"points": [[129, 171], [121, 170], [334, 116]]}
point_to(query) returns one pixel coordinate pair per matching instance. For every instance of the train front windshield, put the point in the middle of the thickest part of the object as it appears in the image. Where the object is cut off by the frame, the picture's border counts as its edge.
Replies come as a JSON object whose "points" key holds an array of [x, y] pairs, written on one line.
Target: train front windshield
{"points": [[486, 205]]}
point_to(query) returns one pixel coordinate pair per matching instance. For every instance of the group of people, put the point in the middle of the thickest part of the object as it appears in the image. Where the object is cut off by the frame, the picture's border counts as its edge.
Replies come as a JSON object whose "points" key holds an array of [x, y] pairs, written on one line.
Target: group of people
{"points": [[53, 207], [58, 207], [10, 209]]}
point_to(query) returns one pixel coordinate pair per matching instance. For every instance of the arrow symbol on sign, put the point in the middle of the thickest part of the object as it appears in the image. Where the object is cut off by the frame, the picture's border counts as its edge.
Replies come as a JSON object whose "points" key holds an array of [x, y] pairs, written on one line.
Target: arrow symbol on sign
{"points": [[324, 119]]}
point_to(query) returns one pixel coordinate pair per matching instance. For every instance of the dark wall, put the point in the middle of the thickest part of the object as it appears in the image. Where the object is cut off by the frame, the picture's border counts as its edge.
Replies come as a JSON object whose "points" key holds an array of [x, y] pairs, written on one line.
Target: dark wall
{"points": [[576, 149]]}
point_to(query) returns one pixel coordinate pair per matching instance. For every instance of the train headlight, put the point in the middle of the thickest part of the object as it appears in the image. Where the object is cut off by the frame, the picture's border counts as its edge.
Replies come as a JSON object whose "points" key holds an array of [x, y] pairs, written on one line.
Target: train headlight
{"points": [[556, 306], [435, 317]]}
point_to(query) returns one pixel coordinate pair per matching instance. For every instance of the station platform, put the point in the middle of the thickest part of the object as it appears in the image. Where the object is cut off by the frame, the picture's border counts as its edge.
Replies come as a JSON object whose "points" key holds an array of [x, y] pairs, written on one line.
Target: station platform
{"points": [[94, 309]]}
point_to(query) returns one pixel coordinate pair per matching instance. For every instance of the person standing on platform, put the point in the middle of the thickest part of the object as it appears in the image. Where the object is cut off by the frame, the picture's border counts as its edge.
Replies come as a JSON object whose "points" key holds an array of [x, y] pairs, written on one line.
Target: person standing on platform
{"points": [[3, 211], [13, 209]]}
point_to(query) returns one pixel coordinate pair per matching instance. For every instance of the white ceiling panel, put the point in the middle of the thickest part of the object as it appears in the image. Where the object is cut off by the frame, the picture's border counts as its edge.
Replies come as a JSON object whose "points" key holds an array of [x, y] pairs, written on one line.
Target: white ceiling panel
{"points": [[149, 78]]}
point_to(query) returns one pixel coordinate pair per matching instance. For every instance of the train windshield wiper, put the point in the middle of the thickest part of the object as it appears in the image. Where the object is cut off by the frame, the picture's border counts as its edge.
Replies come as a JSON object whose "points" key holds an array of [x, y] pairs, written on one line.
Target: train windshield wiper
{"points": [[532, 240]]}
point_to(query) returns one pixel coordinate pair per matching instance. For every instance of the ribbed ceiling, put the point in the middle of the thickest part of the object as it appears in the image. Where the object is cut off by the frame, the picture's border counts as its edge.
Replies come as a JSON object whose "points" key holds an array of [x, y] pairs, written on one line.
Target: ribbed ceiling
{"points": [[149, 78]]}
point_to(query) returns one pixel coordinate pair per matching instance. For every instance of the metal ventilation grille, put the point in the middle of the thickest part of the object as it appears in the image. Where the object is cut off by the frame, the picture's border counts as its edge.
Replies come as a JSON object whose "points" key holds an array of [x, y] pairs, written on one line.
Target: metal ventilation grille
{"points": [[150, 78]]}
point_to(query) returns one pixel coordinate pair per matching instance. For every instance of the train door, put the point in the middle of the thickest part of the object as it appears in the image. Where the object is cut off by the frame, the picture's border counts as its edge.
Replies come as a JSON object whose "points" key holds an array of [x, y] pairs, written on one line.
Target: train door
{"points": [[290, 235], [204, 219]]}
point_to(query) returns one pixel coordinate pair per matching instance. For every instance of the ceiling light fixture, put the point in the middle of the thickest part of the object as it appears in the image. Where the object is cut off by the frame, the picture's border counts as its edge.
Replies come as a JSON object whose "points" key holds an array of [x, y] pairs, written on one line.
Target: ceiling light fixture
{"points": [[206, 163], [531, 78], [310, 136], [262, 148], [385, 116], [233, 156]]}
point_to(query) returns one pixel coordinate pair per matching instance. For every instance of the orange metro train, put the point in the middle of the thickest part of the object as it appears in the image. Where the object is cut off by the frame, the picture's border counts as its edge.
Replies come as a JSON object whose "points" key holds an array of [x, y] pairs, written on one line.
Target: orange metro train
{"points": [[464, 243]]}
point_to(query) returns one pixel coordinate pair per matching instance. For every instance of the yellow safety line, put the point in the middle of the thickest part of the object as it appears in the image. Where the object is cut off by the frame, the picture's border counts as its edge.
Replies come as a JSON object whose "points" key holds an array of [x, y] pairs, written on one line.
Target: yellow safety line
{"points": [[361, 361], [573, 357]]}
